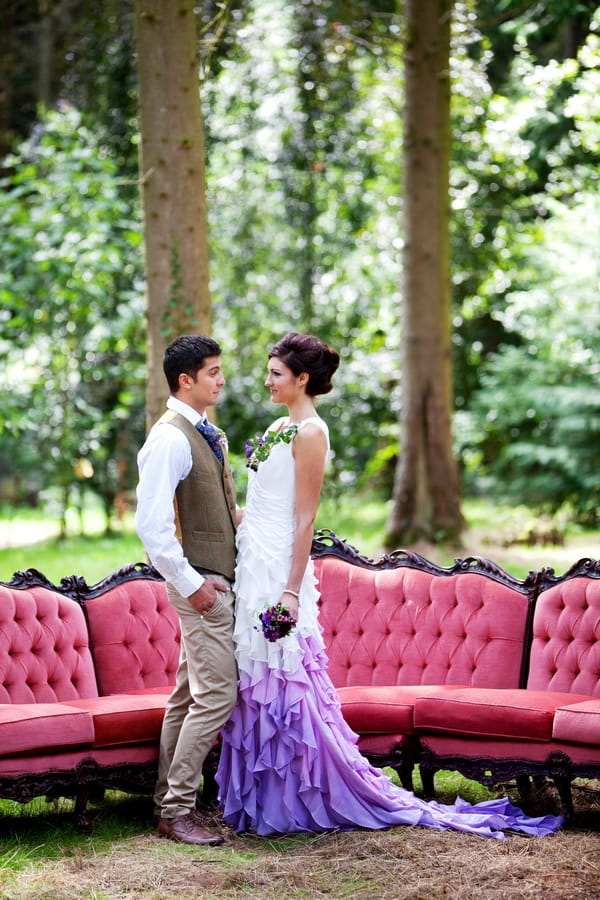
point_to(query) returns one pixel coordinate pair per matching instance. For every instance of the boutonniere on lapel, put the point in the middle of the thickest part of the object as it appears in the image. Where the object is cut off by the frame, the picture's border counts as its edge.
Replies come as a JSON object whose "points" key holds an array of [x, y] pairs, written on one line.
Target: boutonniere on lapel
{"points": [[216, 438]]}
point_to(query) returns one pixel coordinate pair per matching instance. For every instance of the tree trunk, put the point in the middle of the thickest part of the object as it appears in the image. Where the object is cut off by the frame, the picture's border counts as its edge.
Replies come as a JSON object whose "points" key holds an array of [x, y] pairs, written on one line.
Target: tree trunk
{"points": [[426, 500], [45, 54], [173, 183]]}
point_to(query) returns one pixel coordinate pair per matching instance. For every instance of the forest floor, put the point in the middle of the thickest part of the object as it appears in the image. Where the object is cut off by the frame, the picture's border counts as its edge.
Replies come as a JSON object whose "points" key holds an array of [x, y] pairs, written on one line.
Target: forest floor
{"points": [[404, 863]]}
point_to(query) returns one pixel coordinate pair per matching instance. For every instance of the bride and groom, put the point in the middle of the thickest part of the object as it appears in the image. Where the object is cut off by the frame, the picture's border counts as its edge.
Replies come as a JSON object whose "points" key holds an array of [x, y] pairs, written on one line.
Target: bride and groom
{"points": [[288, 763]]}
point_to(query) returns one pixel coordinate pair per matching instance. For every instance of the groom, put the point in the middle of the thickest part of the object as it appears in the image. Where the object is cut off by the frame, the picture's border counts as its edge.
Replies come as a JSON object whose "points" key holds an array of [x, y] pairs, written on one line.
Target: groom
{"points": [[186, 518]]}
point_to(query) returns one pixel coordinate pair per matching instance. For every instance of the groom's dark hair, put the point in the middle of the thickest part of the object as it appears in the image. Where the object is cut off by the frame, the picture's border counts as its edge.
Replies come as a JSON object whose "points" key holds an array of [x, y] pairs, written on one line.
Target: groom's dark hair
{"points": [[187, 354]]}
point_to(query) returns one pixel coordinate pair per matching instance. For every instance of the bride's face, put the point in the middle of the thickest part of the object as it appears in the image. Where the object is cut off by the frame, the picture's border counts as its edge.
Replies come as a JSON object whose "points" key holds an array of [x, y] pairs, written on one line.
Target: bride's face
{"points": [[285, 387]]}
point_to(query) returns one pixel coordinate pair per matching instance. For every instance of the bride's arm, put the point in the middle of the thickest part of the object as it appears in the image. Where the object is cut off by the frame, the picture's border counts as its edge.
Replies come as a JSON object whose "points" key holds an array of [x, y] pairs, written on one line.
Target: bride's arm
{"points": [[310, 456]]}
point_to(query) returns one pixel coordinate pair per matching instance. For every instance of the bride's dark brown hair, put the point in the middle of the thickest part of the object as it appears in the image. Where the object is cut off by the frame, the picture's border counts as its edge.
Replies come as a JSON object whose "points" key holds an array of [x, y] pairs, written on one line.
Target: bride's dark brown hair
{"points": [[307, 353]]}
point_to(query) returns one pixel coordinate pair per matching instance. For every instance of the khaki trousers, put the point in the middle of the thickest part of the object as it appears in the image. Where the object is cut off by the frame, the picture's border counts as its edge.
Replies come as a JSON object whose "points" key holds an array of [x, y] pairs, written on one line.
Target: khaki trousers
{"points": [[202, 700]]}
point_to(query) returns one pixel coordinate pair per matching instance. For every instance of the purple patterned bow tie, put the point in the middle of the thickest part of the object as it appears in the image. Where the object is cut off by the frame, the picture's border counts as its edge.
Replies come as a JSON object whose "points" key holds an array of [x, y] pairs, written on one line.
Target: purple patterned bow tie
{"points": [[212, 436]]}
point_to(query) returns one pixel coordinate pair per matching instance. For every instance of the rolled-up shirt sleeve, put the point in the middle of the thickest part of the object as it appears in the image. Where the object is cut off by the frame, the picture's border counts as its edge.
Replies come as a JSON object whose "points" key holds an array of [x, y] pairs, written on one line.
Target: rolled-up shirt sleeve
{"points": [[163, 461]]}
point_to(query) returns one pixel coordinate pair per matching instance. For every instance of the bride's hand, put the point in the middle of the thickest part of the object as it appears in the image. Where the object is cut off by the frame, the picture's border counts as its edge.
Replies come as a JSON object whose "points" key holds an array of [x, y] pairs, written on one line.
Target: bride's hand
{"points": [[291, 604]]}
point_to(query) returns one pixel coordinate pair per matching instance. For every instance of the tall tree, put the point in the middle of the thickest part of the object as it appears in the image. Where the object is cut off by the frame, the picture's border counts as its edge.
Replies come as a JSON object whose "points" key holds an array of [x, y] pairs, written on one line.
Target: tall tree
{"points": [[173, 181], [426, 499]]}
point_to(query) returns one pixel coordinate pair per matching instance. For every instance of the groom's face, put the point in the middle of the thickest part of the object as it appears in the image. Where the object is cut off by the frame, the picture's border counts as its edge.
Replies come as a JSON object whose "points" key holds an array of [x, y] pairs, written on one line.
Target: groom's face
{"points": [[204, 389]]}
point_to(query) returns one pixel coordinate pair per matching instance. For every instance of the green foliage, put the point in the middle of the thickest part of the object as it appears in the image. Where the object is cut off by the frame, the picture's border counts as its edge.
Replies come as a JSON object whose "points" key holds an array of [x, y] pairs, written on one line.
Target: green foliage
{"points": [[584, 104], [304, 147], [71, 325], [535, 420], [303, 138], [516, 152]]}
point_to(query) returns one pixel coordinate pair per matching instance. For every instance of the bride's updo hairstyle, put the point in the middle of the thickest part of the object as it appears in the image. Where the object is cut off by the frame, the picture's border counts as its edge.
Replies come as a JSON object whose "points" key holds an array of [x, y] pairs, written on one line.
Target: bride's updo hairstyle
{"points": [[307, 353]]}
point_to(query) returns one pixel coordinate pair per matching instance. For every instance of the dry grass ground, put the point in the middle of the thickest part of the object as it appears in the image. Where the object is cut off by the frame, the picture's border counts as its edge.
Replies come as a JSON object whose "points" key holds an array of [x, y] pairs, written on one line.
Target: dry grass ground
{"points": [[399, 864]]}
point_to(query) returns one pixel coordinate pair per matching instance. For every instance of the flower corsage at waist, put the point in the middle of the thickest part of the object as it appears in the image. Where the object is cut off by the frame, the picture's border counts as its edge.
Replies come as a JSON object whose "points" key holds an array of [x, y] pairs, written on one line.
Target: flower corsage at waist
{"points": [[276, 622], [258, 448]]}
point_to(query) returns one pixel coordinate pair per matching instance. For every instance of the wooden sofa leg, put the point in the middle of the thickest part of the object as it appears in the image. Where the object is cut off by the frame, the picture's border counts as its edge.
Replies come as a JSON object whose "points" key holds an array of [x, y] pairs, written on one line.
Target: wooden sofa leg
{"points": [[428, 782], [82, 819], [405, 774], [523, 786], [209, 794], [563, 786]]}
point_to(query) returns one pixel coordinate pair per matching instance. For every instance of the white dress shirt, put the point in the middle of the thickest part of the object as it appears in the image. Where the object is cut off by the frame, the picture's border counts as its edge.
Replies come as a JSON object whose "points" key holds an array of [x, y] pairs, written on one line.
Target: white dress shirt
{"points": [[164, 461]]}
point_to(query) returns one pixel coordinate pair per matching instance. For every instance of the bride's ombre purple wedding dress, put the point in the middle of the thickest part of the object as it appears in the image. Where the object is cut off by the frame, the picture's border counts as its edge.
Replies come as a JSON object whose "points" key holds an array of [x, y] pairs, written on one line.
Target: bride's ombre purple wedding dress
{"points": [[289, 762]]}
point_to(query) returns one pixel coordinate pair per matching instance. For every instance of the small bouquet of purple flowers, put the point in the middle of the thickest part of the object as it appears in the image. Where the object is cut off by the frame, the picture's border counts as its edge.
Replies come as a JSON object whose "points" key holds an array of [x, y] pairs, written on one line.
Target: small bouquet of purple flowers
{"points": [[276, 622]]}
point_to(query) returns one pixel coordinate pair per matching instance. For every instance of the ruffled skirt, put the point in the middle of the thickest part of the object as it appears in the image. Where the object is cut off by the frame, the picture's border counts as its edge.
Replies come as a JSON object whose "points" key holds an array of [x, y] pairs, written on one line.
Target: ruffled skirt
{"points": [[289, 763]]}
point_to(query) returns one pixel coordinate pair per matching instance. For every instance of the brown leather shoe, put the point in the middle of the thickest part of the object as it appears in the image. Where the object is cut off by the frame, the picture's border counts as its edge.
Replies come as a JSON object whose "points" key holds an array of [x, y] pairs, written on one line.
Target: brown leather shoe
{"points": [[187, 830]]}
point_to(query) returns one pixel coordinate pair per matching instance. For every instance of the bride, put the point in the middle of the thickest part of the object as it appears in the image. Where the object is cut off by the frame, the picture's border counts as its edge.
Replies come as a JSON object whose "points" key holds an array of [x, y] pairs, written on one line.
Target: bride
{"points": [[289, 762]]}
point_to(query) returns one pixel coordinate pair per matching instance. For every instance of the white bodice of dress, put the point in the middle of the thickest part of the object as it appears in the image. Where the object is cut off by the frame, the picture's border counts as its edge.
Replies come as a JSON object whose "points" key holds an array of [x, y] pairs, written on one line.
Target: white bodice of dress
{"points": [[271, 494], [264, 544]]}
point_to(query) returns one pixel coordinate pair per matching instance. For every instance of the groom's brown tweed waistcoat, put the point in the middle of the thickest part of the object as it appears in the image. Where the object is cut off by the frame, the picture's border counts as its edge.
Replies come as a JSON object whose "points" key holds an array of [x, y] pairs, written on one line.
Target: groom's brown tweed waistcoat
{"points": [[205, 505]]}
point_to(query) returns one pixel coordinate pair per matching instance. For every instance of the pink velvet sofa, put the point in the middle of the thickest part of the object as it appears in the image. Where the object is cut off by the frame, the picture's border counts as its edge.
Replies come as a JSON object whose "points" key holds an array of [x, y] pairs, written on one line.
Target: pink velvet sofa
{"points": [[400, 626], [465, 668], [462, 667], [85, 673], [549, 727]]}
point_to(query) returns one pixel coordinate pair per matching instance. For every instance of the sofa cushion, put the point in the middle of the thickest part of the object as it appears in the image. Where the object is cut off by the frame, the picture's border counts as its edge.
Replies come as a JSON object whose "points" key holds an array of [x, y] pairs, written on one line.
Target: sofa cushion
{"points": [[134, 636], [44, 652], [579, 723], [125, 718], [43, 727], [371, 709], [408, 626], [494, 713], [565, 652]]}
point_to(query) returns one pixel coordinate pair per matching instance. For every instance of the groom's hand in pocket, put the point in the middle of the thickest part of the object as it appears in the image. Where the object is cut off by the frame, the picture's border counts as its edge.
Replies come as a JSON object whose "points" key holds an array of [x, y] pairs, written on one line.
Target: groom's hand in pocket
{"points": [[204, 598]]}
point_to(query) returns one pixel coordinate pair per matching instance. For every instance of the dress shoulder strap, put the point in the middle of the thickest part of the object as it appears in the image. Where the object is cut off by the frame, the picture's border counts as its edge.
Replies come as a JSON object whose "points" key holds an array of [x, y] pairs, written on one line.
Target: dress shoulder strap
{"points": [[315, 420]]}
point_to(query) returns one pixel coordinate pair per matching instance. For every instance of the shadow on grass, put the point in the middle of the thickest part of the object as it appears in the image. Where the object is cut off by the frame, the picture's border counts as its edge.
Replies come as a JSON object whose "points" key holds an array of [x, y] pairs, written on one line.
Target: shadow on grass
{"points": [[48, 828]]}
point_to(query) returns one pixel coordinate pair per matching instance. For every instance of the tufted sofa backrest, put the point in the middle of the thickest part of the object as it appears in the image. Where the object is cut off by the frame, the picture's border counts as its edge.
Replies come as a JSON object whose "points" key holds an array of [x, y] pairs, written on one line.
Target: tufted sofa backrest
{"points": [[44, 652], [406, 625], [134, 634], [565, 651]]}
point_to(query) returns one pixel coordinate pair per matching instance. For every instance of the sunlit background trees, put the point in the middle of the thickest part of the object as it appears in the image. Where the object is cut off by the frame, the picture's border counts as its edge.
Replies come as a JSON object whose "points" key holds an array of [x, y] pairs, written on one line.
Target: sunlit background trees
{"points": [[303, 108]]}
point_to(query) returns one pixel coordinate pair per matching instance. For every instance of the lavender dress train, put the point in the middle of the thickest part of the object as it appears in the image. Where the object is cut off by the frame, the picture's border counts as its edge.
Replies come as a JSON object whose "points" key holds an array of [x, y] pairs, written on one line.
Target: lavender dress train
{"points": [[289, 763]]}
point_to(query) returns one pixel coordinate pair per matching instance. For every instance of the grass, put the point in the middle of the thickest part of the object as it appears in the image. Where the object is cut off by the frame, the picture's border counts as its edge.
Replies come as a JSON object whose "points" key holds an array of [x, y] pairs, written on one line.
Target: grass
{"points": [[93, 556], [28, 539], [44, 857]]}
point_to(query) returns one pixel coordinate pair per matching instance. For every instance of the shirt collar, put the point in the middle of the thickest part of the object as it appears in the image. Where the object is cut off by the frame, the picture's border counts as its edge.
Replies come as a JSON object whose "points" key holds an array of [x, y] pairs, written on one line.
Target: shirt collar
{"points": [[185, 410]]}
